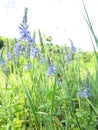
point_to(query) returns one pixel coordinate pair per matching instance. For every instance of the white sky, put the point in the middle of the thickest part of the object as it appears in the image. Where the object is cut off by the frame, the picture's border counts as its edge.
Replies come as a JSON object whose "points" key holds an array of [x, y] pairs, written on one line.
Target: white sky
{"points": [[62, 19]]}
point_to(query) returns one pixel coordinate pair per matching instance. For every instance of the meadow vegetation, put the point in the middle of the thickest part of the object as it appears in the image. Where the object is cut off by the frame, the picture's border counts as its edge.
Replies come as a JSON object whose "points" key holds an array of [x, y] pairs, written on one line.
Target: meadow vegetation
{"points": [[45, 86]]}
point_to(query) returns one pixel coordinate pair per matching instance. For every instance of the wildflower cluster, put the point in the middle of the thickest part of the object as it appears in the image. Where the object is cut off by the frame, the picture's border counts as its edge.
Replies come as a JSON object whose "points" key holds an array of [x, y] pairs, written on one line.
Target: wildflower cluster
{"points": [[26, 45], [2, 62], [51, 70], [18, 49], [25, 36], [67, 57], [73, 49], [34, 52], [85, 91], [8, 56], [23, 29], [50, 82], [22, 46], [70, 53]]}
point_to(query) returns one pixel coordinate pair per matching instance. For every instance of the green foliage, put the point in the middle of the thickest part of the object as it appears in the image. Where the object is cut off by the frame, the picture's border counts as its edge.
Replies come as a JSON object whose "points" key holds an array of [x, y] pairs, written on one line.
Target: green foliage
{"points": [[1, 43], [32, 100], [87, 57]]}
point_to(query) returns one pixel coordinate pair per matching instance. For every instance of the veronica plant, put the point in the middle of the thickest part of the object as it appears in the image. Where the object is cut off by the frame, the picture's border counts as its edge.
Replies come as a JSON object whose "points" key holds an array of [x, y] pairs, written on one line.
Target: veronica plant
{"points": [[51, 70], [28, 49], [34, 52], [8, 55], [73, 49], [2, 62], [67, 57], [18, 49], [85, 92], [23, 29]]}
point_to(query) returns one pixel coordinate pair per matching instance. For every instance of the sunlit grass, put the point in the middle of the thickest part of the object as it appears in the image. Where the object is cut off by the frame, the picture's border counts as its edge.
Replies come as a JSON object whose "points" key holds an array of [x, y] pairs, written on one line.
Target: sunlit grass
{"points": [[48, 87]]}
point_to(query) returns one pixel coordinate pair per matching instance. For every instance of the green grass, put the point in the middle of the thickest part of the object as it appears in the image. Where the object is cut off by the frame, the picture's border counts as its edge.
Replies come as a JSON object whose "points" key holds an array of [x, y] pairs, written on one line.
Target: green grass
{"points": [[30, 100]]}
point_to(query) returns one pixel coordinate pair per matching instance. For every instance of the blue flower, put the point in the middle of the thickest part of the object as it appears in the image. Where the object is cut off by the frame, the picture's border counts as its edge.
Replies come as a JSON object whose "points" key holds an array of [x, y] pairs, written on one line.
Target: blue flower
{"points": [[23, 28], [28, 49], [51, 70], [34, 52], [8, 56], [25, 33], [59, 81], [17, 50], [27, 52], [85, 92], [2, 62], [42, 59], [72, 48], [68, 58], [21, 50]]}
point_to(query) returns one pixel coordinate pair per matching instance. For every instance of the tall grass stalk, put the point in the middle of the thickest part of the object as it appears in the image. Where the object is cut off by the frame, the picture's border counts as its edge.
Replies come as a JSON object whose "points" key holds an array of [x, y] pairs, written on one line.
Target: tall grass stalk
{"points": [[30, 101], [88, 21], [95, 42]]}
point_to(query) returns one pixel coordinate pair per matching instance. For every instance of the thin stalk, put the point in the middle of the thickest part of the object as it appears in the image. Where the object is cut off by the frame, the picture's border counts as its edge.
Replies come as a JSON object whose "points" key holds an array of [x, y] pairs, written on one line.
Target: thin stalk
{"points": [[30, 103], [53, 98], [89, 24], [92, 106]]}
